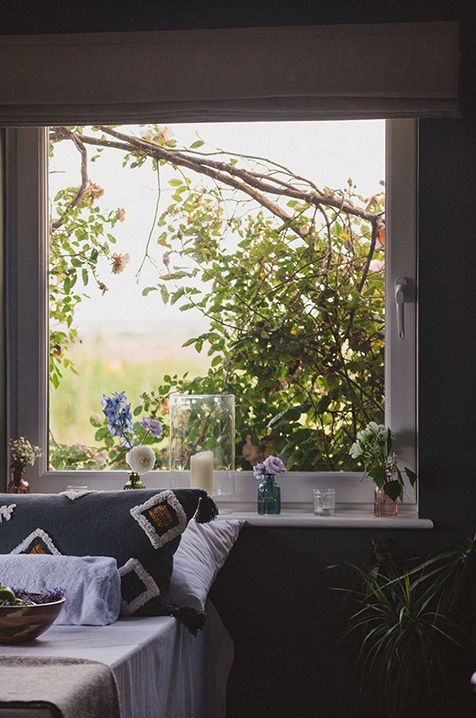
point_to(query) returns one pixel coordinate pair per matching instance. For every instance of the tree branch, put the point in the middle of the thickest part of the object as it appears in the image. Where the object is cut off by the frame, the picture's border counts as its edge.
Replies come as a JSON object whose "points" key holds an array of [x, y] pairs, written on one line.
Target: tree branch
{"points": [[256, 185], [62, 133]]}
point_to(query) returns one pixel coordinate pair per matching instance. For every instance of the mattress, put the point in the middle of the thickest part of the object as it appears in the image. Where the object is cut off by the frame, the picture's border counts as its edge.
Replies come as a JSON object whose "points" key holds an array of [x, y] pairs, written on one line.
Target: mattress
{"points": [[161, 669]]}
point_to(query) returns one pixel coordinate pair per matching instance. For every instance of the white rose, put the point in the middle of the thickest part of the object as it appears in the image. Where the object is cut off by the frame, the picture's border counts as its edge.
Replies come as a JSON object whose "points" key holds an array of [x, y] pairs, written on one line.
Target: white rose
{"points": [[141, 459]]}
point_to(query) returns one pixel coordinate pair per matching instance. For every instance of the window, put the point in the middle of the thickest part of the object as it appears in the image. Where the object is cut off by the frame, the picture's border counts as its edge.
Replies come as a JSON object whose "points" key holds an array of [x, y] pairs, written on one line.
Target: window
{"points": [[29, 351]]}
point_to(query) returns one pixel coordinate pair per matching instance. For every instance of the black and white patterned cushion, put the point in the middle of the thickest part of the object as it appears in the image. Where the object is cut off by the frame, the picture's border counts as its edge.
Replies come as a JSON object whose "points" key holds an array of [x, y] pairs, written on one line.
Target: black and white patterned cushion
{"points": [[141, 529]]}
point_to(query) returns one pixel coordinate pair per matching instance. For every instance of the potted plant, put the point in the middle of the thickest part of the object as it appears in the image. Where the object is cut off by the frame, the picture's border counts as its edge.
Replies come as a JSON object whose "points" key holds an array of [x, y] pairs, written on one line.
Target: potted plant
{"points": [[414, 621], [373, 447]]}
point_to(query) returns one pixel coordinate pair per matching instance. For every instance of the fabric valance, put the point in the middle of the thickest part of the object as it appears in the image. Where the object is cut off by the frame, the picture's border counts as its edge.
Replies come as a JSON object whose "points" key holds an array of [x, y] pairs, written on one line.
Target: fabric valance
{"points": [[288, 73]]}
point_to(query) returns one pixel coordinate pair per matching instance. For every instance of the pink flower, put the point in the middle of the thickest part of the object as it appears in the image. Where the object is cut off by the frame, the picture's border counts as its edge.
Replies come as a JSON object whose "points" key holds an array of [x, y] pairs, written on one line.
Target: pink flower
{"points": [[119, 262], [376, 265], [94, 190], [162, 137], [121, 214]]}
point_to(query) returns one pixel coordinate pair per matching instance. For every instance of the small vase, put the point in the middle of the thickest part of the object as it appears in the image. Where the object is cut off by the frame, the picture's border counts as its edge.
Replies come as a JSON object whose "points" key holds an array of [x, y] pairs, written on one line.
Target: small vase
{"points": [[269, 496], [134, 482], [383, 504], [18, 484]]}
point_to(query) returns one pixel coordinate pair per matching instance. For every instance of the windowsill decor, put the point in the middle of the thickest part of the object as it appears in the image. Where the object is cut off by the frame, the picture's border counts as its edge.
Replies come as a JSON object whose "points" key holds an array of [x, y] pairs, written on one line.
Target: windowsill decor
{"points": [[374, 448], [269, 493], [202, 427], [22, 454], [140, 457]]}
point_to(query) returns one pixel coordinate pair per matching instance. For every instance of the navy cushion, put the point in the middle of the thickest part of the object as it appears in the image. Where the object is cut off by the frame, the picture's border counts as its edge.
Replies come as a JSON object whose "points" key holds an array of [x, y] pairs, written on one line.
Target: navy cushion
{"points": [[140, 528]]}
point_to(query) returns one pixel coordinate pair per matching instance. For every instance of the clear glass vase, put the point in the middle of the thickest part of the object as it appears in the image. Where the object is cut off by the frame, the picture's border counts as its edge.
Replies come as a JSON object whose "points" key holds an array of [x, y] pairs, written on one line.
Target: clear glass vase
{"points": [[269, 496], [383, 504], [202, 423]]}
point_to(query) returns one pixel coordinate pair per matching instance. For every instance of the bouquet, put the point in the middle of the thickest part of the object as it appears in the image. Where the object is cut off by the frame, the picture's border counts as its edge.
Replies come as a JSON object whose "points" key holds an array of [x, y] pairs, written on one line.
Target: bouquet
{"points": [[22, 454], [270, 467], [140, 457], [374, 448]]}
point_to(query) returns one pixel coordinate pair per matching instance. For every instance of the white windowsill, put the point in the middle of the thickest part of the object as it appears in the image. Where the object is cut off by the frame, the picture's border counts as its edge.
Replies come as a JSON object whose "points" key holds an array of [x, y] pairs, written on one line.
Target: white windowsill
{"points": [[354, 498], [341, 519]]}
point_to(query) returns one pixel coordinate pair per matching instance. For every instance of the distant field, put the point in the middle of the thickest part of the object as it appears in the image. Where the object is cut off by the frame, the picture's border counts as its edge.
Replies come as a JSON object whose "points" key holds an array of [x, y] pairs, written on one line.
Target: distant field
{"points": [[78, 396]]}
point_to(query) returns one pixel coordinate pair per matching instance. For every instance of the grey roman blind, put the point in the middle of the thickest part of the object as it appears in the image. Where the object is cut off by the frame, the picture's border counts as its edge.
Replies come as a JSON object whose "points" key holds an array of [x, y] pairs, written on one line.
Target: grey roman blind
{"points": [[339, 71]]}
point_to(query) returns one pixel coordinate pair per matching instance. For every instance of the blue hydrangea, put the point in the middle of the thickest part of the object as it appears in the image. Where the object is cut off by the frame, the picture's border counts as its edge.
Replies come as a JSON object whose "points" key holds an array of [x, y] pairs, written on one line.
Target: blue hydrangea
{"points": [[117, 411]]}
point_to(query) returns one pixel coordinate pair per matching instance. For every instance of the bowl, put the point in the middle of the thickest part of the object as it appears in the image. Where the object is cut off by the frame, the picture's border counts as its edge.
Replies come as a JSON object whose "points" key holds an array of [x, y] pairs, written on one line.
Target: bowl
{"points": [[20, 624]]}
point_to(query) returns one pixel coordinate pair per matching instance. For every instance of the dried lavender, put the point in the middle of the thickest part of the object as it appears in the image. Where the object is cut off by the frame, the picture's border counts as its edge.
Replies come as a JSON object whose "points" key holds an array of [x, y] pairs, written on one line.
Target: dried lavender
{"points": [[29, 598]]}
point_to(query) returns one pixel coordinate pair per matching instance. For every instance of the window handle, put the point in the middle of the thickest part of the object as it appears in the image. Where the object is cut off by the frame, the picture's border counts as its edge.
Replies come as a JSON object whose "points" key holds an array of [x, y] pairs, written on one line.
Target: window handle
{"points": [[400, 286]]}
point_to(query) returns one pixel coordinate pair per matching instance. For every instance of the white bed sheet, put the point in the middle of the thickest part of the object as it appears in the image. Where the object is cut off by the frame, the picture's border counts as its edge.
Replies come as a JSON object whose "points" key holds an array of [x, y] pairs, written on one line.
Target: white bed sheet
{"points": [[161, 669]]}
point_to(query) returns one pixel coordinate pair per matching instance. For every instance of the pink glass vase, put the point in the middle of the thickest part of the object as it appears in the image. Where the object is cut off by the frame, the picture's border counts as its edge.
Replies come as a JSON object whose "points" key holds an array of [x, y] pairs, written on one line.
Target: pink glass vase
{"points": [[383, 504], [18, 484]]}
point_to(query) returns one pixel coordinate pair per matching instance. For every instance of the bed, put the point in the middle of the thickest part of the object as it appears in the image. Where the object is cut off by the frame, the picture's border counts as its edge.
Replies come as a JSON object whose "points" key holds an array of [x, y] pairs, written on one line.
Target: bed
{"points": [[161, 669]]}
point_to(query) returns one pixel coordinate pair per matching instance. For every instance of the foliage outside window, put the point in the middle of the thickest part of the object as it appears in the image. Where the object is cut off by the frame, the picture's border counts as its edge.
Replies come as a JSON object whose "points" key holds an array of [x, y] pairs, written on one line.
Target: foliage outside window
{"points": [[289, 275]]}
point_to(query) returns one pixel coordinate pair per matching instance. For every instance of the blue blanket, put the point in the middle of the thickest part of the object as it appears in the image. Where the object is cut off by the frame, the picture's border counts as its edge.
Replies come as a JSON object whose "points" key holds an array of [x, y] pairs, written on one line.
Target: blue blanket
{"points": [[91, 583]]}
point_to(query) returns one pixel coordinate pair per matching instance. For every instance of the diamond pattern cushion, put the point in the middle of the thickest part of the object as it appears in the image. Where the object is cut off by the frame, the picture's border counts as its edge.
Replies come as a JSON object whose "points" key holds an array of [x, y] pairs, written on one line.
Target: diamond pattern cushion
{"points": [[140, 528]]}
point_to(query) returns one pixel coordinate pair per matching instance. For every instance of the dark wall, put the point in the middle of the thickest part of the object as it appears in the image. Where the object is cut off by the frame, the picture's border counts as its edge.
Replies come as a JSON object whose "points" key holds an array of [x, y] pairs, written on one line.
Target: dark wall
{"points": [[273, 591], [49, 16]]}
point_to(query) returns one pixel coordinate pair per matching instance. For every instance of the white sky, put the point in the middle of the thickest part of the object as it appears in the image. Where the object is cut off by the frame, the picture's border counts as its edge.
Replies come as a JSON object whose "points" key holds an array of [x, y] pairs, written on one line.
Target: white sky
{"points": [[326, 152]]}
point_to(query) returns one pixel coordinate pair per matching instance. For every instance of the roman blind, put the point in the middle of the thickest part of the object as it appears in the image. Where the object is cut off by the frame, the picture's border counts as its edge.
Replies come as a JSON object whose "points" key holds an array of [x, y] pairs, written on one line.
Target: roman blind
{"points": [[289, 73]]}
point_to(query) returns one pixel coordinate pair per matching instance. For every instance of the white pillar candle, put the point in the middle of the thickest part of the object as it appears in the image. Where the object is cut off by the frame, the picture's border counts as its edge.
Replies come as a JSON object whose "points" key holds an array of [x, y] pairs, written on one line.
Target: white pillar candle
{"points": [[201, 471]]}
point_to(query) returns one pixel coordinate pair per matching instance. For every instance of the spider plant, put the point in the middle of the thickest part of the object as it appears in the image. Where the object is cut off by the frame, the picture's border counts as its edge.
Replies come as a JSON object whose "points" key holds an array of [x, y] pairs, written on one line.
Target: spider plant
{"points": [[412, 619]]}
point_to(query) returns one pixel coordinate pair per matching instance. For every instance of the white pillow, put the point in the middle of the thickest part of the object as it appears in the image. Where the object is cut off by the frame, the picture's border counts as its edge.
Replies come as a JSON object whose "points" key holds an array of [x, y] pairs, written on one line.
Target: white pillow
{"points": [[202, 552]]}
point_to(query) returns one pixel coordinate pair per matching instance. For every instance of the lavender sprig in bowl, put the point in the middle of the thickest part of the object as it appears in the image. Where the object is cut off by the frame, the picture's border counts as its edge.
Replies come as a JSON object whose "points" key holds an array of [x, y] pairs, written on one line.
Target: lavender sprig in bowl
{"points": [[25, 615]]}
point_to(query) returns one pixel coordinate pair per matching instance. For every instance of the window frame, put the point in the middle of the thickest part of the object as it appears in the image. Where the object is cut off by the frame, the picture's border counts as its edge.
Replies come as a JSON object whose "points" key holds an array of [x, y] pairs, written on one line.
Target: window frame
{"points": [[27, 328]]}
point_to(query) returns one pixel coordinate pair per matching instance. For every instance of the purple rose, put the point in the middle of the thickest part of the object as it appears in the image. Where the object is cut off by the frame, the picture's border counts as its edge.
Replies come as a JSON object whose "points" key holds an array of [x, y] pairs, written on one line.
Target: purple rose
{"points": [[258, 470], [273, 465], [153, 426]]}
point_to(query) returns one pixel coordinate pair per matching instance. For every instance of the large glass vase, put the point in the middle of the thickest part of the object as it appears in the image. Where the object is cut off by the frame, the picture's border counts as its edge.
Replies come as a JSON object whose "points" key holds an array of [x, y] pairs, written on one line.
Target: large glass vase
{"points": [[202, 423]]}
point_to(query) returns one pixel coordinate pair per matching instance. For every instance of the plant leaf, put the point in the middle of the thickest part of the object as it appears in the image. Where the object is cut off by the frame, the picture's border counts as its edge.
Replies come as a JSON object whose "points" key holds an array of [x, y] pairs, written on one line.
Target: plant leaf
{"points": [[412, 477], [393, 489]]}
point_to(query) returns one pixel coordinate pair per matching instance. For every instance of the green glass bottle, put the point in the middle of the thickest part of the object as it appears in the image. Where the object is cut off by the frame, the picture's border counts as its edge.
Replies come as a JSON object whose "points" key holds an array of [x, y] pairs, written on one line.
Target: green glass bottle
{"points": [[269, 496]]}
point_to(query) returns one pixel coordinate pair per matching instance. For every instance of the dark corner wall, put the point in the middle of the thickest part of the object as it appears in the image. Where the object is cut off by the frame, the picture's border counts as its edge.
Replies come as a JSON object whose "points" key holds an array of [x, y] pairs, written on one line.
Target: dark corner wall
{"points": [[273, 593]]}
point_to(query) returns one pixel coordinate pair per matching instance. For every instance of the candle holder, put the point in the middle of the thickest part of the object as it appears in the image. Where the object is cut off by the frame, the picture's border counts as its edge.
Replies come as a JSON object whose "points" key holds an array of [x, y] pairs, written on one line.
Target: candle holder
{"points": [[202, 423]]}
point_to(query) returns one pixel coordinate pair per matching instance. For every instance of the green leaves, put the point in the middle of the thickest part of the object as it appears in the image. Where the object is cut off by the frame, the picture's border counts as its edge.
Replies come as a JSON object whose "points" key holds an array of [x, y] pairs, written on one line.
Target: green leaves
{"points": [[393, 489], [378, 475], [177, 295], [412, 477], [412, 621], [164, 293], [292, 332]]}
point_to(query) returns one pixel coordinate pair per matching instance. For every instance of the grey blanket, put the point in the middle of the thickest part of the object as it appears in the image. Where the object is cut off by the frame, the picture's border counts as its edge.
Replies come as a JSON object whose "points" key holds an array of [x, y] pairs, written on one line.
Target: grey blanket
{"points": [[76, 688]]}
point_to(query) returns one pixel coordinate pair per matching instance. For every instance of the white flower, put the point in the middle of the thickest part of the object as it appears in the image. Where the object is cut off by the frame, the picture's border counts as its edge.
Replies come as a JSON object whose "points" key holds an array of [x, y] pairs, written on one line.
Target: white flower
{"points": [[23, 453], [355, 450], [141, 459]]}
